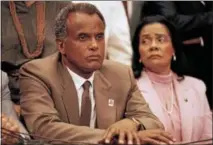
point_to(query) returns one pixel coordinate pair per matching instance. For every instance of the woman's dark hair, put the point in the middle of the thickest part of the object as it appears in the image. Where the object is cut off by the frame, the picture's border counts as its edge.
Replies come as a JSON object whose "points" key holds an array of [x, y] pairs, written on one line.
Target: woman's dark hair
{"points": [[176, 66]]}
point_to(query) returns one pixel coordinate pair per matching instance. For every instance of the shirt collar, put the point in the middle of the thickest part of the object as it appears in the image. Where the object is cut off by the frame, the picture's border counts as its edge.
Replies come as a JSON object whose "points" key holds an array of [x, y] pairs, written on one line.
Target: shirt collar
{"points": [[78, 80]]}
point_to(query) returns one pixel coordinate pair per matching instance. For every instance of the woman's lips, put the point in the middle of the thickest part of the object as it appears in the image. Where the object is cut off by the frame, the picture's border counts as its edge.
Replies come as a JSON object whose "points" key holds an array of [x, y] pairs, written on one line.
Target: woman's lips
{"points": [[155, 56]]}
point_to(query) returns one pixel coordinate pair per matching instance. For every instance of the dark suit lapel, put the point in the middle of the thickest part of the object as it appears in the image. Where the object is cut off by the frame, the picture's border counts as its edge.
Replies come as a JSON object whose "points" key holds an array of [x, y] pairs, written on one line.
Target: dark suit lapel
{"points": [[105, 103], [69, 95]]}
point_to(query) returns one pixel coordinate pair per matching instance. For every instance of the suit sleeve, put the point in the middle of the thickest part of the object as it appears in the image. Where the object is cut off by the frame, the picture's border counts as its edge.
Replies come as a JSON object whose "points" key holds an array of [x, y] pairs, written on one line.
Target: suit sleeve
{"points": [[7, 104], [138, 108], [42, 118], [184, 22]]}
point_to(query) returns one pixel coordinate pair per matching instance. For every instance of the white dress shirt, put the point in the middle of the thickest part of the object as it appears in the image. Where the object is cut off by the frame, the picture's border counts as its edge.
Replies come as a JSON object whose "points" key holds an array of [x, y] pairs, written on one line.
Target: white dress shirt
{"points": [[117, 32], [78, 82]]}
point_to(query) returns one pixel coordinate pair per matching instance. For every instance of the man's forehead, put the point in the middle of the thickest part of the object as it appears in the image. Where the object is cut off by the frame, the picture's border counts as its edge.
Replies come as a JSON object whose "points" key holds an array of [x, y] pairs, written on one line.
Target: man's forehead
{"points": [[83, 20], [80, 16]]}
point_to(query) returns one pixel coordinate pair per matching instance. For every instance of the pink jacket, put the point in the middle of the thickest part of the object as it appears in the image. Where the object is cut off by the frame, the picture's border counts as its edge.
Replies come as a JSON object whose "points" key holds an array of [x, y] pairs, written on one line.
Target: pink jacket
{"points": [[196, 116]]}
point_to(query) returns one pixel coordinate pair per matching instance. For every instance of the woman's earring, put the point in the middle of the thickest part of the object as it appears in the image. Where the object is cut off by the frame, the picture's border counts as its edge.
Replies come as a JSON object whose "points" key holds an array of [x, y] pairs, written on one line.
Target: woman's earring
{"points": [[140, 60], [174, 57]]}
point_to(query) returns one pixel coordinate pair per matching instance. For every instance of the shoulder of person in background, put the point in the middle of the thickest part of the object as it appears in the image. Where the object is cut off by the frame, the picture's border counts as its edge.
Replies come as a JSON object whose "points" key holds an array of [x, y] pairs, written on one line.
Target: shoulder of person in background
{"points": [[8, 108]]}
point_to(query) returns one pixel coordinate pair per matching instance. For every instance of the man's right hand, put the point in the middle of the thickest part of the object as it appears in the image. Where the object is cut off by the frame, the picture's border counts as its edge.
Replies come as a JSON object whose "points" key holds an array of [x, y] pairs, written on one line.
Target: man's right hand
{"points": [[125, 130], [156, 136], [9, 128]]}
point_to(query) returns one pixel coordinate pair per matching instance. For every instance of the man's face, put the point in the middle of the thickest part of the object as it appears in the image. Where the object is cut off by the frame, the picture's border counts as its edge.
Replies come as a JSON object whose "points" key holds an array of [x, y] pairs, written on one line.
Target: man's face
{"points": [[84, 46]]}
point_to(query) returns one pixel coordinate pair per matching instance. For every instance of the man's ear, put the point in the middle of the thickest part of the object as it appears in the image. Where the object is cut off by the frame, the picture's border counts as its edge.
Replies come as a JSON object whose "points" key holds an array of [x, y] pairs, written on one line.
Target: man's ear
{"points": [[60, 45]]}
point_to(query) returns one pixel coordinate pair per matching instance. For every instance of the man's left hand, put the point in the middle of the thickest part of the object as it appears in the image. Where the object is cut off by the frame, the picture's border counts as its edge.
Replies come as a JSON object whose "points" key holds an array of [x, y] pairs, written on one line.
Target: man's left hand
{"points": [[125, 129]]}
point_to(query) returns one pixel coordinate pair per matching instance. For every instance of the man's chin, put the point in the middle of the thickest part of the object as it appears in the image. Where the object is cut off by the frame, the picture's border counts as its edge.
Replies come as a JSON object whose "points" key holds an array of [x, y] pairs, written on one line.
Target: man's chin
{"points": [[96, 67], [93, 67]]}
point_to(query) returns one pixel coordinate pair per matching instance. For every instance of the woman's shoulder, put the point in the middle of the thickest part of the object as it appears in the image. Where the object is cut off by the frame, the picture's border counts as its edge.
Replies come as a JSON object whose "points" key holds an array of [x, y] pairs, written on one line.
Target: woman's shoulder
{"points": [[194, 82], [191, 79]]}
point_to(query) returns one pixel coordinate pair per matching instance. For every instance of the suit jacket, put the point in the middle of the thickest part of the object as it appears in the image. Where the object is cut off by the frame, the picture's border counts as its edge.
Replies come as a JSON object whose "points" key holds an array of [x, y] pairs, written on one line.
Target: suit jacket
{"points": [[49, 100], [196, 117], [7, 104]]}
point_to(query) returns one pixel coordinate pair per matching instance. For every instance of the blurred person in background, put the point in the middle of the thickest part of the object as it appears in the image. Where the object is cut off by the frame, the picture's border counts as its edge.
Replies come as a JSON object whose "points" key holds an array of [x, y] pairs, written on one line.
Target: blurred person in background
{"points": [[9, 118], [27, 33]]}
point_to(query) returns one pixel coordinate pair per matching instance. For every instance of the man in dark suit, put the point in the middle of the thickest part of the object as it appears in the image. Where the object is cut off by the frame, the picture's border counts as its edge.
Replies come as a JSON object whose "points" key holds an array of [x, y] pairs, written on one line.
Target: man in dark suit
{"points": [[194, 19], [72, 96]]}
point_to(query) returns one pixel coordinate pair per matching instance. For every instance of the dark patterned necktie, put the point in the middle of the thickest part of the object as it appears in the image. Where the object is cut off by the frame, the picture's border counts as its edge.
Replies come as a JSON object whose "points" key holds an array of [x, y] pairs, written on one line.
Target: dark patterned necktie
{"points": [[85, 105]]}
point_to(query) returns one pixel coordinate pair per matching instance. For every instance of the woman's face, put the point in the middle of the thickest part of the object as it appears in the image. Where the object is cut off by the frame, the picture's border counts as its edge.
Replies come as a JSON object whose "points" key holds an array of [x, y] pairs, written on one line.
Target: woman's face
{"points": [[155, 46]]}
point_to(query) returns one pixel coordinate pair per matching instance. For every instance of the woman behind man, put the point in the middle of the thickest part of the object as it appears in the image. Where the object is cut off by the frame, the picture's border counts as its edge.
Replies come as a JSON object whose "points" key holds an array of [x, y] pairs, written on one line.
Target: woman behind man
{"points": [[179, 101]]}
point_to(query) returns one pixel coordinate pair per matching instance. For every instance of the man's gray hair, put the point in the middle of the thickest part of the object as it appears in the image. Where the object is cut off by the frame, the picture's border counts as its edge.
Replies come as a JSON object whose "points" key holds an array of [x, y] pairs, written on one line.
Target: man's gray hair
{"points": [[61, 18]]}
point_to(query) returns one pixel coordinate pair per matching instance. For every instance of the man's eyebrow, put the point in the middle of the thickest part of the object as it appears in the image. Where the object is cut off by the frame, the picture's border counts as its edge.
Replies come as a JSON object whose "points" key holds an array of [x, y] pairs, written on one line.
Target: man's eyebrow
{"points": [[85, 33], [82, 33], [102, 33]]}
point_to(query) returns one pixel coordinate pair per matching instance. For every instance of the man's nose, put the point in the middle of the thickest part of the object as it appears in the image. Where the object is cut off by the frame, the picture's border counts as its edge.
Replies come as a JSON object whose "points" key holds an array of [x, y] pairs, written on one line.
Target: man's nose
{"points": [[94, 45]]}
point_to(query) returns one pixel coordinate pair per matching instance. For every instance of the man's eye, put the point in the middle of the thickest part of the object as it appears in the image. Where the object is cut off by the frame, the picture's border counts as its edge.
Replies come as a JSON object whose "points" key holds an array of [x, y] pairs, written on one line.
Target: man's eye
{"points": [[82, 37], [100, 36]]}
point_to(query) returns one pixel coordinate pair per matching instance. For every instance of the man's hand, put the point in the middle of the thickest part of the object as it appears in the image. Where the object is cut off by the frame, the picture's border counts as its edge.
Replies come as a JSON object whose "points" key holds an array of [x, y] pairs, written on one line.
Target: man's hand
{"points": [[156, 136], [8, 126], [126, 130]]}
